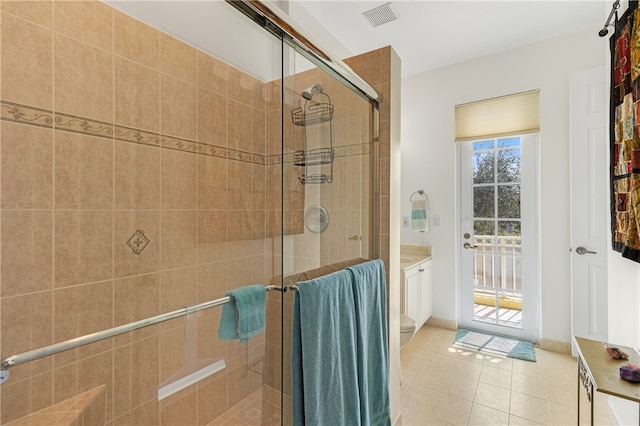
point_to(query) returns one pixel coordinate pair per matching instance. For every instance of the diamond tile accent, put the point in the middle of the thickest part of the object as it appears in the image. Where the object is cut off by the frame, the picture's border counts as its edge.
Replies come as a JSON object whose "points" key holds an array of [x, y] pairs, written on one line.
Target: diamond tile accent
{"points": [[138, 242]]}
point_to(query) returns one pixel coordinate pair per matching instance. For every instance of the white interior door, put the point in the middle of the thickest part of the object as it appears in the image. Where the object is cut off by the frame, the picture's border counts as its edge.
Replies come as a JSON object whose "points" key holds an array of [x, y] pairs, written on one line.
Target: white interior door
{"points": [[498, 240], [589, 204]]}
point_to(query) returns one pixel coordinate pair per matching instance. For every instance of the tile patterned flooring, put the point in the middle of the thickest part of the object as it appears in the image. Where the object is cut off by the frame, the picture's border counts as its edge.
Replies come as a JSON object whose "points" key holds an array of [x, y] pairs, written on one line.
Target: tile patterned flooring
{"points": [[443, 385]]}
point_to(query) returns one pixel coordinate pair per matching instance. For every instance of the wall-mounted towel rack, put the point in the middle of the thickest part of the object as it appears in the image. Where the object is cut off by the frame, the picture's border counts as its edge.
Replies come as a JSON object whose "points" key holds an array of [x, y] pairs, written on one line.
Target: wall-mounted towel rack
{"points": [[419, 211], [419, 192], [290, 281], [55, 348]]}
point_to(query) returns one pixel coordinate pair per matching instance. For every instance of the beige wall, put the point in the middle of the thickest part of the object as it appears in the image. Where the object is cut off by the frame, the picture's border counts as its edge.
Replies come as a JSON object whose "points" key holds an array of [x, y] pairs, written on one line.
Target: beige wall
{"points": [[108, 128]]}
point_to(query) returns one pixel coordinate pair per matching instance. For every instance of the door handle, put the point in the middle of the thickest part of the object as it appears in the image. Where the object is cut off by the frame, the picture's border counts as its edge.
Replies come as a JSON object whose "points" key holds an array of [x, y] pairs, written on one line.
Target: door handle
{"points": [[354, 238], [582, 250], [468, 246]]}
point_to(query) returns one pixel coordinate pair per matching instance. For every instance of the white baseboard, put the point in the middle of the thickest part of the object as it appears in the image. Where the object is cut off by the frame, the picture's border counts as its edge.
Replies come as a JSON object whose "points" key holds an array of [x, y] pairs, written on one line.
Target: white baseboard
{"points": [[442, 323], [555, 346]]}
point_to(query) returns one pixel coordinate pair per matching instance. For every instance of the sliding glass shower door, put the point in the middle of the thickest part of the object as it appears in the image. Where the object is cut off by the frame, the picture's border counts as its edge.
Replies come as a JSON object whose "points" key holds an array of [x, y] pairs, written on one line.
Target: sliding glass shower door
{"points": [[191, 150], [328, 184]]}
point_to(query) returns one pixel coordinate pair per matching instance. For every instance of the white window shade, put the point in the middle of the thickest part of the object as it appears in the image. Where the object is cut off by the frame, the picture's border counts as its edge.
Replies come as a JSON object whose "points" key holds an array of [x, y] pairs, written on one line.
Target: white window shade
{"points": [[506, 115]]}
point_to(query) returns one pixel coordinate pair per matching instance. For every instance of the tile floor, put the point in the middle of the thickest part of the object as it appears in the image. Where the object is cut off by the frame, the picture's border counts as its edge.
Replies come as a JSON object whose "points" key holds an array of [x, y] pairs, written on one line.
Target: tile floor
{"points": [[444, 385]]}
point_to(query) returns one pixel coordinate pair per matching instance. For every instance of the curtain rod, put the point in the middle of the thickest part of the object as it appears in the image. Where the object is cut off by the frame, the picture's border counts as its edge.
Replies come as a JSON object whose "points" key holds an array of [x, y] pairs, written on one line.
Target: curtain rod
{"points": [[55, 348], [614, 9]]}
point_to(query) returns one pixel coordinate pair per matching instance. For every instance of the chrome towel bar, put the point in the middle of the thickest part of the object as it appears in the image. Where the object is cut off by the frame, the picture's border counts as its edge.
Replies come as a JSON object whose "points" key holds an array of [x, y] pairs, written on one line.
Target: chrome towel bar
{"points": [[55, 348]]}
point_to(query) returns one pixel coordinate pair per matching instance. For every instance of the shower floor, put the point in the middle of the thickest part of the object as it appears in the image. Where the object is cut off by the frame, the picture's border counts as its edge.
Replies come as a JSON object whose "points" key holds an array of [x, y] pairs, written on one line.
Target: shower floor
{"points": [[262, 407]]}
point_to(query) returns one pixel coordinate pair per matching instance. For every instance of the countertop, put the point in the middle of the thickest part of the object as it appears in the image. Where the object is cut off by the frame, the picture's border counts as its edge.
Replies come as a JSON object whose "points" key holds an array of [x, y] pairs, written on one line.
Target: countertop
{"points": [[412, 255], [605, 370]]}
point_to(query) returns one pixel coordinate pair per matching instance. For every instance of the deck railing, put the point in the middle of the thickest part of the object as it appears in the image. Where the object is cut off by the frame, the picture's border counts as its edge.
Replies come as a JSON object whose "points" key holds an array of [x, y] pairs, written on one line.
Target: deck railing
{"points": [[498, 265]]}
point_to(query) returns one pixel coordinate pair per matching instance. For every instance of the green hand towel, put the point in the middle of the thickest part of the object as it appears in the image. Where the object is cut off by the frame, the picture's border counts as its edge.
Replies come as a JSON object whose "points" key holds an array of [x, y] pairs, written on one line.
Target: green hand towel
{"points": [[245, 313]]}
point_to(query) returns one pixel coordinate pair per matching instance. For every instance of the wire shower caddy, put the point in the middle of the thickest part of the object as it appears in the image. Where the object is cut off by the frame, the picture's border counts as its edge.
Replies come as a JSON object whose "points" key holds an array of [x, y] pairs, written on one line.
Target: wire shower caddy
{"points": [[315, 111]]}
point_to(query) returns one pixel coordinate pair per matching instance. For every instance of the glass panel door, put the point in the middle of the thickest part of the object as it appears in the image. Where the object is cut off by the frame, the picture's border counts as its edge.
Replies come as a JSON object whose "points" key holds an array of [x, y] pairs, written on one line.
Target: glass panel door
{"points": [[498, 222]]}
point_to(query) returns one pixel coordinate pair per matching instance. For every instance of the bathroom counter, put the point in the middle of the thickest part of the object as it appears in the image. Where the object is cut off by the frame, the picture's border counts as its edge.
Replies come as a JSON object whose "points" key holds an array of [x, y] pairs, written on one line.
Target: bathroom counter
{"points": [[412, 255]]}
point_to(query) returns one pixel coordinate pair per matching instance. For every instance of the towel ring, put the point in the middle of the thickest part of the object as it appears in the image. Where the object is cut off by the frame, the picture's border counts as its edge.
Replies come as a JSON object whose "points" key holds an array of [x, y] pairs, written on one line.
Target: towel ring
{"points": [[420, 192]]}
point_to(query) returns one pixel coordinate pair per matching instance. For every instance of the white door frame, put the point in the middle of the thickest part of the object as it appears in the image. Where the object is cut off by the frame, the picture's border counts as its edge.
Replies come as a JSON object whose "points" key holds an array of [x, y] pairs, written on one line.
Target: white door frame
{"points": [[530, 268]]}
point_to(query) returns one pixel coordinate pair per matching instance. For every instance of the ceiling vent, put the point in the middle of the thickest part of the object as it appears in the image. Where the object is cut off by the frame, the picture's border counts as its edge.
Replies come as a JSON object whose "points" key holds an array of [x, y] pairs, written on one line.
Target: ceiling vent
{"points": [[381, 15]]}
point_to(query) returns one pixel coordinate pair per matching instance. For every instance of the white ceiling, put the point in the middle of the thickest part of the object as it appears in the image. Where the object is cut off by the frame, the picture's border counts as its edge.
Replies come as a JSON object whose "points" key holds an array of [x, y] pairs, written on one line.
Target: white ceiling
{"points": [[211, 26], [430, 34]]}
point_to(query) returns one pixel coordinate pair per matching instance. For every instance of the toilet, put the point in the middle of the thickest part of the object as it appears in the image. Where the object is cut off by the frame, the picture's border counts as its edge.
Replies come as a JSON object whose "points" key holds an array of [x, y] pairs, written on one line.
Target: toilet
{"points": [[407, 329]]}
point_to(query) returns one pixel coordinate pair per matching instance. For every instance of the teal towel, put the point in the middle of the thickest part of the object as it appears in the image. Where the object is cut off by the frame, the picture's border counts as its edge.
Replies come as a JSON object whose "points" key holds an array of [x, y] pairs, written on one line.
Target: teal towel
{"points": [[419, 216], [324, 352], [297, 395], [244, 315], [370, 295]]}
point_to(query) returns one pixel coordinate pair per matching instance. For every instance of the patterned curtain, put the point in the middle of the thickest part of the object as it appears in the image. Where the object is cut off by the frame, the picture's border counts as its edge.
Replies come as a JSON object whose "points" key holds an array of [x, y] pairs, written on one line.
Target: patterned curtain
{"points": [[625, 134]]}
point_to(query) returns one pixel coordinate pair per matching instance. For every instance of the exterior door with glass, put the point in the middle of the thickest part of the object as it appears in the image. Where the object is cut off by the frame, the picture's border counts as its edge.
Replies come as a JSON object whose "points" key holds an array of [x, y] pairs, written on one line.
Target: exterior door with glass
{"points": [[498, 241]]}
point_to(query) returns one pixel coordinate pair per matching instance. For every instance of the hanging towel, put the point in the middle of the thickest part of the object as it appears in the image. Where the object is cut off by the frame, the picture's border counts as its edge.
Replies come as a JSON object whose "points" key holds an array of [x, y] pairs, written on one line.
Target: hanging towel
{"points": [[419, 216], [244, 314], [324, 352], [369, 290]]}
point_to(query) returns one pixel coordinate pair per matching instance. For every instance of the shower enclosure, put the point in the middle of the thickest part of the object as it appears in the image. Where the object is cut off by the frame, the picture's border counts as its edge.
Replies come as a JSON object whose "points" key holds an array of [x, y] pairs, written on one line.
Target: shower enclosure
{"points": [[156, 155]]}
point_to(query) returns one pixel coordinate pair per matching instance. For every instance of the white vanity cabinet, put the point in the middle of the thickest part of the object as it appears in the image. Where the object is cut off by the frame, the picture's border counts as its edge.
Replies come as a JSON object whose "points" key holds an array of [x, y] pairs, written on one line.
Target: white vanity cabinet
{"points": [[417, 291]]}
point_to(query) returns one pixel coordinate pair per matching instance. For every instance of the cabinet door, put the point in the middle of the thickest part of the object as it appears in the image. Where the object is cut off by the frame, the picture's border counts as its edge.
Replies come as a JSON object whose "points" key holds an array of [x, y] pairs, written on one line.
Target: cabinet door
{"points": [[411, 295], [426, 291]]}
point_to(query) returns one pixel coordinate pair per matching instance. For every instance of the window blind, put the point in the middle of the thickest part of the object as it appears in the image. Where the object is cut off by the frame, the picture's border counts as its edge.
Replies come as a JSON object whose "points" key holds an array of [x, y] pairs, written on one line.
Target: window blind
{"points": [[505, 115]]}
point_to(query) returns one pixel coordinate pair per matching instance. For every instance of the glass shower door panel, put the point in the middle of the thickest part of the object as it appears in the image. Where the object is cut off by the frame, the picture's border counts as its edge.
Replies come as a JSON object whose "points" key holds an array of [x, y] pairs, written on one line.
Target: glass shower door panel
{"points": [[328, 184]]}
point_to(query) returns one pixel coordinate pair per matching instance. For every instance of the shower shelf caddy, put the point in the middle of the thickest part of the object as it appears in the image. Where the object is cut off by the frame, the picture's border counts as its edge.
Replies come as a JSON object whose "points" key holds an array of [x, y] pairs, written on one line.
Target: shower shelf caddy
{"points": [[315, 112]]}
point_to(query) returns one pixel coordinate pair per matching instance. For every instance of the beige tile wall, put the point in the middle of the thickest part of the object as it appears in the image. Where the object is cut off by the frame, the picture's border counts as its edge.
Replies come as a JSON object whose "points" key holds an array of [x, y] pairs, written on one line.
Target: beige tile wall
{"points": [[110, 128], [375, 68]]}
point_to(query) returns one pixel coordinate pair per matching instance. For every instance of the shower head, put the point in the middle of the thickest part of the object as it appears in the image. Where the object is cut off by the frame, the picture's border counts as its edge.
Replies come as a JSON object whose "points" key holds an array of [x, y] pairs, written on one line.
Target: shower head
{"points": [[312, 90]]}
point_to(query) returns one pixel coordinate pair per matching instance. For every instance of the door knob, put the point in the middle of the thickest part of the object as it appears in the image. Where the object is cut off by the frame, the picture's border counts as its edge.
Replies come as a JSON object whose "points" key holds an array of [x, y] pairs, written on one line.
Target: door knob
{"points": [[582, 250], [468, 246], [354, 238]]}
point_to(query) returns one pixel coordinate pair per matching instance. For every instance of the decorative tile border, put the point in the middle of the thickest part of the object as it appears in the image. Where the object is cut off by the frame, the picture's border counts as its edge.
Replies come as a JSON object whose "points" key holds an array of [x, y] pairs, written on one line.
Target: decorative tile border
{"points": [[127, 134], [272, 160], [33, 116], [17, 113], [247, 157], [178, 144], [351, 150], [71, 123], [213, 150]]}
